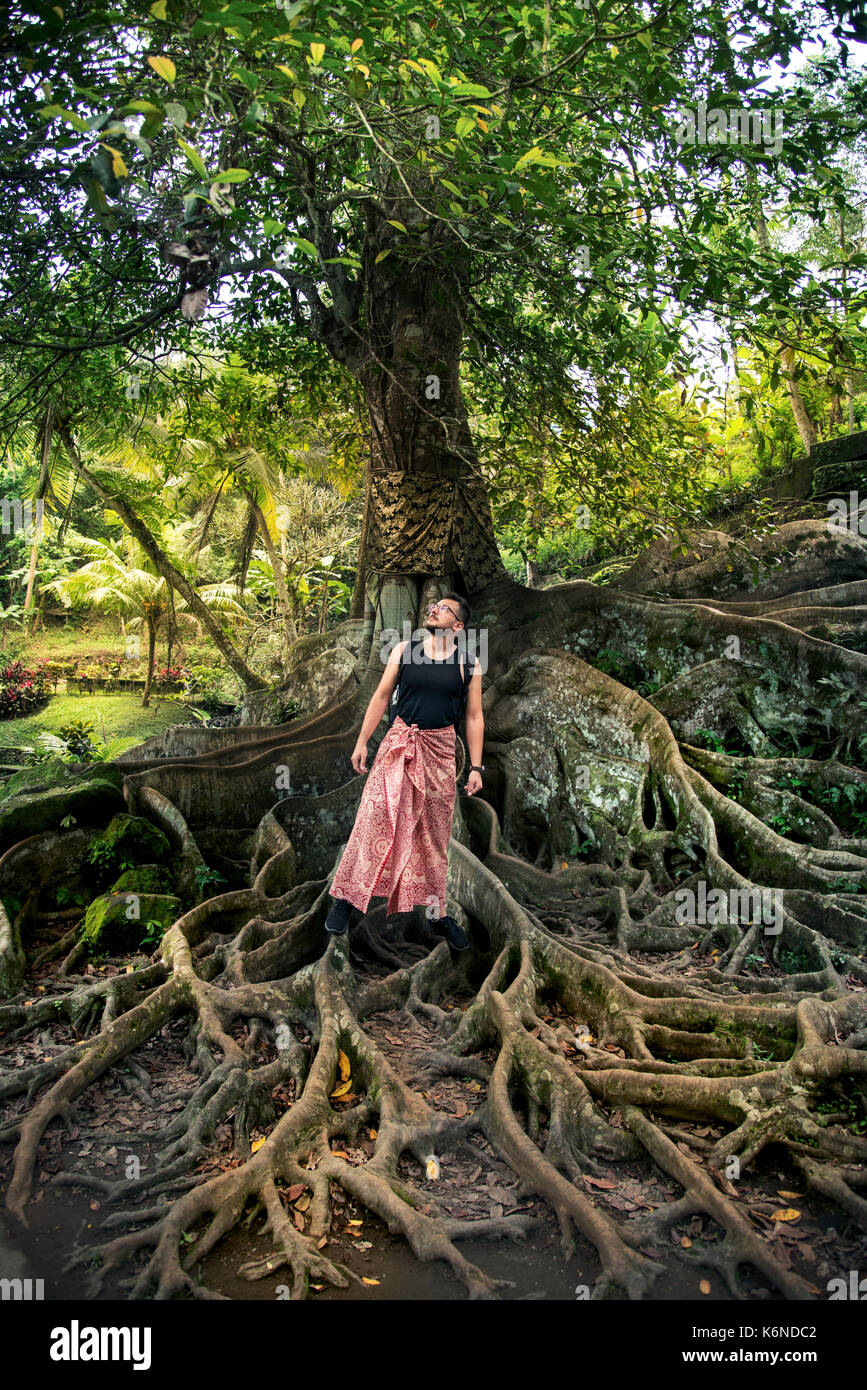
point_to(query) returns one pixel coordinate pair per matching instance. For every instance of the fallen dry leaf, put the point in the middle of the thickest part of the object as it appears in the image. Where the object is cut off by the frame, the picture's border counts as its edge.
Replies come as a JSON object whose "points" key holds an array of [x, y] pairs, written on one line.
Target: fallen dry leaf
{"points": [[685, 1242], [365, 1280], [790, 1196], [343, 1063], [341, 1089], [599, 1182], [295, 1191], [257, 1144], [705, 1286], [785, 1214]]}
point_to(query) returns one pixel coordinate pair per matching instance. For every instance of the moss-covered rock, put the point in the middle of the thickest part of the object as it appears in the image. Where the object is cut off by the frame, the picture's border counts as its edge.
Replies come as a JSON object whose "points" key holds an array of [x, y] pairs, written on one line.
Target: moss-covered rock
{"points": [[134, 838], [117, 922], [41, 798], [148, 878]]}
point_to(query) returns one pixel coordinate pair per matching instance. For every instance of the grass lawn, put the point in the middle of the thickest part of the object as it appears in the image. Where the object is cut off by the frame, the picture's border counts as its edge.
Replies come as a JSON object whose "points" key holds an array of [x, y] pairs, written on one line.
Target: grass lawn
{"points": [[123, 715]]}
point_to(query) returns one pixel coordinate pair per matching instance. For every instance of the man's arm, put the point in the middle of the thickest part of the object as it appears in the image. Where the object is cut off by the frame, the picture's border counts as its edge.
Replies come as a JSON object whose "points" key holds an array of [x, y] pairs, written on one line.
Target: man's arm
{"points": [[475, 721], [377, 707]]}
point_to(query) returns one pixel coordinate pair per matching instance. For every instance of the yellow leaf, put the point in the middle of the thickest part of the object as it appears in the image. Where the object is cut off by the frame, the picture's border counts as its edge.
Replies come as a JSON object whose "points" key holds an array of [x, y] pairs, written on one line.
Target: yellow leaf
{"points": [[298, 97], [342, 1089], [373, 1133], [343, 1063], [432, 1168], [118, 167], [318, 51], [159, 9], [785, 1214], [382, 255], [365, 1280], [356, 44], [355, 1221], [399, 225], [685, 1242], [28, 1002], [281, 67], [564, 865], [705, 1286], [789, 1196], [339, 1153], [164, 67], [256, 1144]]}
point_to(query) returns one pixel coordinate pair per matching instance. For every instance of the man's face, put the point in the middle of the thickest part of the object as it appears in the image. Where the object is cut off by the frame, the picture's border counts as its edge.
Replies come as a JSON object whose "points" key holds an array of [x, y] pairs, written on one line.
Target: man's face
{"points": [[444, 615]]}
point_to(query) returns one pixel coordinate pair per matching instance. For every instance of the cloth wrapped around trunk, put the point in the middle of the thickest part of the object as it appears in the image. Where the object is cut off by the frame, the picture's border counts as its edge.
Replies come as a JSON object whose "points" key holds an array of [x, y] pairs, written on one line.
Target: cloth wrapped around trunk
{"points": [[398, 848]]}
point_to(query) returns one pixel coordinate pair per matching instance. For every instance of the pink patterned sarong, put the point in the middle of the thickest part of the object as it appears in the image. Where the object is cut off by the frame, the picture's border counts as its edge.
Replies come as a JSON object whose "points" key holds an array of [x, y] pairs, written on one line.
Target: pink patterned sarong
{"points": [[398, 848]]}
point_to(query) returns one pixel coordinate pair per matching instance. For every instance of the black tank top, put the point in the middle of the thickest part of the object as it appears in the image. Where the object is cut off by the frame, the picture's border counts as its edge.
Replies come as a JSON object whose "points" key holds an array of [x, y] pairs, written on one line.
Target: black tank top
{"points": [[430, 693]]}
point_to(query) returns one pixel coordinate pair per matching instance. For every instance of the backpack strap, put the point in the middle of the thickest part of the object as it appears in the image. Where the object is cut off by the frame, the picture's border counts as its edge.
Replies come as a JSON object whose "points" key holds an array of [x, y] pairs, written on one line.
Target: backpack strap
{"points": [[466, 677]]}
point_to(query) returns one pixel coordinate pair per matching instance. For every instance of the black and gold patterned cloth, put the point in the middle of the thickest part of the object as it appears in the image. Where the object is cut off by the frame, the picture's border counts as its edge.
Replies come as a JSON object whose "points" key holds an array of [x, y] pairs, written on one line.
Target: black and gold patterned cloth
{"points": [[415, 517]]}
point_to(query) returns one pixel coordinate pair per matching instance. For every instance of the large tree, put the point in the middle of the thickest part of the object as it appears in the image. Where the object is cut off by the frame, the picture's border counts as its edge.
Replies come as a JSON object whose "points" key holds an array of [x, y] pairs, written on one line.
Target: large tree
{"points": [[492, 204]]}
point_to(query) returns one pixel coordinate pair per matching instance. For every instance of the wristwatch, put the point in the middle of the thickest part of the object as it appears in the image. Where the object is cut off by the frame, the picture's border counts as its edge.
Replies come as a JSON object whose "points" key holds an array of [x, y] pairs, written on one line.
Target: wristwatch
{"points": [[477, 768]]}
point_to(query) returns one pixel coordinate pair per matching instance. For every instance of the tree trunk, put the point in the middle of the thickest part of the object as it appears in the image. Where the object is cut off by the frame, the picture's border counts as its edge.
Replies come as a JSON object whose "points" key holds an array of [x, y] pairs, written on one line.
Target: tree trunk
{"points": [[428, 507], [45, 454], [356, 607], [152, 651], [289, 629], [165, 567], [806, 427]]}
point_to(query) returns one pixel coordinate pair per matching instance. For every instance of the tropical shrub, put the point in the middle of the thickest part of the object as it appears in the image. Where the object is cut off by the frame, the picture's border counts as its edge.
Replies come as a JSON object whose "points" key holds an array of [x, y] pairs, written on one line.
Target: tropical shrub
{"points": [[23, 689]]}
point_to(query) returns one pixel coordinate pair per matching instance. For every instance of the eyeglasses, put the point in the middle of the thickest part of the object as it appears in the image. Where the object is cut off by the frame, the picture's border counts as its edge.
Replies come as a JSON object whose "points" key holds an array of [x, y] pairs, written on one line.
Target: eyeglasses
{"points": [[435, 607]]}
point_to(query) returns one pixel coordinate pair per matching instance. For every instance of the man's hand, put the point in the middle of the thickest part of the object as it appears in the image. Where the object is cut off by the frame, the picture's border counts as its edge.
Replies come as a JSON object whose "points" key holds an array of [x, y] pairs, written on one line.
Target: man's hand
{"points": [[474, 783], [359, 757]]}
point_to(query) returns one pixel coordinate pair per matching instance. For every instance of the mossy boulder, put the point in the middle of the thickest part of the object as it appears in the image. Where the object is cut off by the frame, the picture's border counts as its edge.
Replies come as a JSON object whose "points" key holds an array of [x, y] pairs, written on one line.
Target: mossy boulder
{"points": [[134, 838], [148, 878], [41, 798], [117, 922]]}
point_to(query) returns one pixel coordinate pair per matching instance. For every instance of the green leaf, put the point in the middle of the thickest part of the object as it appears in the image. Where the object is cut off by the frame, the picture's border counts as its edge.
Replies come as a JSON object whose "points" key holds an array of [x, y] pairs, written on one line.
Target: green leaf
{"points": [[446, 183], [164, 67], [298, 97], [468, 89], [382, 255], [399, 225], [177, 114], [194, 157], [318, 51], [232, 176], [272, 228], [465, 125], [158, 10], [74, 120]]}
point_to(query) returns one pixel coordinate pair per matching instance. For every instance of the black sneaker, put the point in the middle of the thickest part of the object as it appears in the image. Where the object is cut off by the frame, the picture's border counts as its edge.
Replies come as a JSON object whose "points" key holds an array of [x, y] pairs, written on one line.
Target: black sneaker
{"points": [[339, 917], [454, 935]]}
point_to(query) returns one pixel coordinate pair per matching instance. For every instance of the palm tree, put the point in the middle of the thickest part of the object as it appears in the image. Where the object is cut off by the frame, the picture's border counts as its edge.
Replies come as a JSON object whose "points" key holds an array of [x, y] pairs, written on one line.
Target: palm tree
{"points": [[119, 578]]}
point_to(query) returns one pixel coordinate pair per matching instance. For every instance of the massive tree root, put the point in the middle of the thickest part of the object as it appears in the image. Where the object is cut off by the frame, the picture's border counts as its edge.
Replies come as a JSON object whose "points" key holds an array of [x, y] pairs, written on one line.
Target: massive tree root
{"points": [[626, 983]]}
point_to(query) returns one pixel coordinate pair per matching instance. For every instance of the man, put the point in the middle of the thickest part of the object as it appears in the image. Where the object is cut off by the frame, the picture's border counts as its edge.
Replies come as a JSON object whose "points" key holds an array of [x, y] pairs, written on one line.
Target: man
{"points": [[399, 843]]}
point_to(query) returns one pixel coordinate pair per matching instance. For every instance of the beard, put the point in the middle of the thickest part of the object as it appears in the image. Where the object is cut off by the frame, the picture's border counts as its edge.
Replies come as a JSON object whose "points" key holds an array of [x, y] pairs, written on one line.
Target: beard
{"points": [[431, 626]]}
